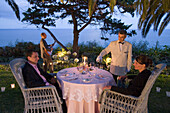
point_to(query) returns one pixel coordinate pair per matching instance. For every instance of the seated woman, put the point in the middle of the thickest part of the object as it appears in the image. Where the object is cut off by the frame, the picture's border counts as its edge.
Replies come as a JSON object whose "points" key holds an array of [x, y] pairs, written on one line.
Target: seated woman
{"points": [[137, 84]]}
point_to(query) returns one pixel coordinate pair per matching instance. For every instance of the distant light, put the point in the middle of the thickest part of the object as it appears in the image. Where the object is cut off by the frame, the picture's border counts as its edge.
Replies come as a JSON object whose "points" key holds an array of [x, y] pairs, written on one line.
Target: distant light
{"points": [[12, 85]]}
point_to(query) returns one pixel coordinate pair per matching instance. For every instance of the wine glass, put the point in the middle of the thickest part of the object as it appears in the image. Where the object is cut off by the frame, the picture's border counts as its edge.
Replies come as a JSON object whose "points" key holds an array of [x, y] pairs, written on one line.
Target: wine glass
{"points": [[101, 66], [80, 69], [92, 65]]}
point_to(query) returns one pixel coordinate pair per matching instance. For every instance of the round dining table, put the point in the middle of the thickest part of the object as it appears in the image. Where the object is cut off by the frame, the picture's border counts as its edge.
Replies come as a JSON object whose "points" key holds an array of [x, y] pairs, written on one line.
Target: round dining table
{"points": [[81, 90]]}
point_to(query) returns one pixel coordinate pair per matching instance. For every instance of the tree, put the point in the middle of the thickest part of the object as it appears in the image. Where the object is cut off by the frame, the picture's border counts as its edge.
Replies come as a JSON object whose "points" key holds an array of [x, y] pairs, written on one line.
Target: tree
{"points": [[14, 7], [46, 13], [153, 12]]}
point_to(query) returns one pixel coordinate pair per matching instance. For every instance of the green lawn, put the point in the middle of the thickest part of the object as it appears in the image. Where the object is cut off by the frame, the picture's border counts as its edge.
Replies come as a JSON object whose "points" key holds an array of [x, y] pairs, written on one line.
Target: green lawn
{"points": [[11, 101]]}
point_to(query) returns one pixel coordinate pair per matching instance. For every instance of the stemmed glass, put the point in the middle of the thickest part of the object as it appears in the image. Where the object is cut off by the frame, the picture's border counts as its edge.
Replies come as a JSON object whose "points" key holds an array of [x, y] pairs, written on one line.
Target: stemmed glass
{"points": [[92, 66], [80, 68], [101, 66]]}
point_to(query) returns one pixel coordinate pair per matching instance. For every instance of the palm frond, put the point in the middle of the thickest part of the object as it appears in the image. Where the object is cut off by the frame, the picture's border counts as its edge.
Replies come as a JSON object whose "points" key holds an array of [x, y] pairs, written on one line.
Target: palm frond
{"points": [[152, 12], [164, 23], [14, 7]]}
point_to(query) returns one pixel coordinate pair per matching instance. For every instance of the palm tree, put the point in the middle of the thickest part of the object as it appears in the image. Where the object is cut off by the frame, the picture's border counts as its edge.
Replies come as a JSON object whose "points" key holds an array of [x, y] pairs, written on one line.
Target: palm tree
{"points": [[14, 7], [153, 12]]}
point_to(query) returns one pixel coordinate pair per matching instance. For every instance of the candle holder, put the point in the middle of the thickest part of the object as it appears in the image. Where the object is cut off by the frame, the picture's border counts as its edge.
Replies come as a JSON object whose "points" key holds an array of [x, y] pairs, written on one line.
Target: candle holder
{"points": [[168, 93], [12, 85], [2, 89], [84, 60], [158, 89]]}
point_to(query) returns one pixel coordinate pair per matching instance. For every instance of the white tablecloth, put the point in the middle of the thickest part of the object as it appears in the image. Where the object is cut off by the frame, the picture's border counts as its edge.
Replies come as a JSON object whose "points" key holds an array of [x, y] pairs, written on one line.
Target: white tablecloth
{"points": [[82, 96]]}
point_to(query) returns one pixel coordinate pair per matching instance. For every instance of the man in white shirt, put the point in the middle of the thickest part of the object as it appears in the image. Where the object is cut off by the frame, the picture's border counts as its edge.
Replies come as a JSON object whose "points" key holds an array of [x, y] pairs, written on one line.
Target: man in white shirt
{"points": [[121, 54]]}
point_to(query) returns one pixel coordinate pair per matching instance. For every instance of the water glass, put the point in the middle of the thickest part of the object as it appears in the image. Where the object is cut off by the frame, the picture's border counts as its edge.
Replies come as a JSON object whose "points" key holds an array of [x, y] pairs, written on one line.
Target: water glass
{"points": [[101, 66], [92, 65], [80, 69], [97, 65]]}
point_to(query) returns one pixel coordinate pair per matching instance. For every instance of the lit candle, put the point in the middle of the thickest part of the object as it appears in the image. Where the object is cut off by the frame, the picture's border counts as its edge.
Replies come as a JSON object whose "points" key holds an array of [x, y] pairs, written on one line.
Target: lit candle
{"points": [[12, 85], [84, 58]]}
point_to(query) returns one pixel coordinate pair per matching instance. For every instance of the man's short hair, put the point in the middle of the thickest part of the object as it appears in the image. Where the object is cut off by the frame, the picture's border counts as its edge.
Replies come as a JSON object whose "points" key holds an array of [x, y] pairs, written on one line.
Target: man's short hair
{"points": [[29, 53], [123, 32], [43, 34]]}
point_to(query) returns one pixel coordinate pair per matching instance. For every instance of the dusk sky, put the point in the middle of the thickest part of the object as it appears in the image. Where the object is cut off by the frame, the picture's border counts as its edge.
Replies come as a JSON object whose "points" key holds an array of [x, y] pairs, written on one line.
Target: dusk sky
{"points": [[8, 19]]}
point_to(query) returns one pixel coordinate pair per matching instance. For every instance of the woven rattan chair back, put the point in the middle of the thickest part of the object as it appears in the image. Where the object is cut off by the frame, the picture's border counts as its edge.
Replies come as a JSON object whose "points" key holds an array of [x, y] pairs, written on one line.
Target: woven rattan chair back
{"points": [[16, 68], [39, 99], [113, 102]]}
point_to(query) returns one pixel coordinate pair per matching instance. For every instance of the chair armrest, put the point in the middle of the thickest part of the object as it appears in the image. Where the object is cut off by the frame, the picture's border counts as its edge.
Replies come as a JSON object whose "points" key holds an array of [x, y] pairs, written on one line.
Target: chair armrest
{"points": [[46, 87], [123, 95], [103, 95], [38, 88], [114, 101]]}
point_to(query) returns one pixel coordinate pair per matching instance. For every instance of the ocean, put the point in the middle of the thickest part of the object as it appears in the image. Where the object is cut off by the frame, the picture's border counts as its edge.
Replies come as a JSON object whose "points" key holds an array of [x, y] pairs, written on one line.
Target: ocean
{"points": [[9, 37]]}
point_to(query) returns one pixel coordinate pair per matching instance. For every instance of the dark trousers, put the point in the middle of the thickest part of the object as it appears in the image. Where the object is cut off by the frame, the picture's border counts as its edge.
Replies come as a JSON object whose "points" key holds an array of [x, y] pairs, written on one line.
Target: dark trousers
{"points": [[64, 107], [115, 77], [48, 64]]}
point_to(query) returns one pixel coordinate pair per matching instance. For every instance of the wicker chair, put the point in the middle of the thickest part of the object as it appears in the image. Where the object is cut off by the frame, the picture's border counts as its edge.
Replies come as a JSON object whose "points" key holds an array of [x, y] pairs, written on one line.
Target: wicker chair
{"points": [[39, 99], [114, 102]]}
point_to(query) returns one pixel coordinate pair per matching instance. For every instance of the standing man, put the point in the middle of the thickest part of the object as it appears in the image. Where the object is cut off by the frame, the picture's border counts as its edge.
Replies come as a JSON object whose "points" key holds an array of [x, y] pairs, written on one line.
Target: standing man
{"points": [[121, 53], [34, 76], [46, 51]]}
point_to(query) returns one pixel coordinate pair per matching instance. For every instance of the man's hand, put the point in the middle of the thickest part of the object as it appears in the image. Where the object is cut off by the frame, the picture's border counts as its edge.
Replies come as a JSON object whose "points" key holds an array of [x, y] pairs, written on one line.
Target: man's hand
{"points": [[99, 59], [53, 80]]}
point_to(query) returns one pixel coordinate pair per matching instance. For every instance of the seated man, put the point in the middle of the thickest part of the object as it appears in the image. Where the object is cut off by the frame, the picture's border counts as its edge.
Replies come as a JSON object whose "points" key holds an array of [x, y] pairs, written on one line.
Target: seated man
{"points": [[34, 76]]}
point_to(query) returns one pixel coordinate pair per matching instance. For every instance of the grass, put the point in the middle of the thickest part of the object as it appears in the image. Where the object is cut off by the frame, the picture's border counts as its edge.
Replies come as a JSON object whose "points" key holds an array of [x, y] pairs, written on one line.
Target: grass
{"points": [[11, 101]]}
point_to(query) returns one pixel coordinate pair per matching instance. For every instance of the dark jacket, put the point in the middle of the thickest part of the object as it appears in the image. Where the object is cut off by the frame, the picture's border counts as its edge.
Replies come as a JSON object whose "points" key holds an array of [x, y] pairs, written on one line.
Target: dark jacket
{"points": [[136, 85], [32, 78]]}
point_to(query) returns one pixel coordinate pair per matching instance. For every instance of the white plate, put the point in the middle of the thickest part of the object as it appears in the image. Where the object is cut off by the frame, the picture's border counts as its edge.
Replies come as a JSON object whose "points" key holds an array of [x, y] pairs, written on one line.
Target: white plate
{"points": [[71, 78], [67, 75], [63, 72], [86, 80], [100, 76]]}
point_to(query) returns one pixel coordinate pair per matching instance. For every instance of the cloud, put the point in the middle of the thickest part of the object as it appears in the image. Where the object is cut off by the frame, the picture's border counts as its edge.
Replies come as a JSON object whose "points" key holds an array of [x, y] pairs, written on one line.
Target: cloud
{"points": [[9, 20]]}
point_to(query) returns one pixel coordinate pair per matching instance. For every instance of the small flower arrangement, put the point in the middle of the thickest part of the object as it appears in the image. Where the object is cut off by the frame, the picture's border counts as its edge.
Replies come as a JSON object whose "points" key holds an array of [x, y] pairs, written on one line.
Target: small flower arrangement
{"points": [[63, 58], [107, 61]]}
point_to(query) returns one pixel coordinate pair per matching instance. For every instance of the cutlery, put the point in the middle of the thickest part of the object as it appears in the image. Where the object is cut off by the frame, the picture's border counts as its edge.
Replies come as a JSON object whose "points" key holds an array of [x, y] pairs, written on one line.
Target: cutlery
{"points": [[72, 79]]}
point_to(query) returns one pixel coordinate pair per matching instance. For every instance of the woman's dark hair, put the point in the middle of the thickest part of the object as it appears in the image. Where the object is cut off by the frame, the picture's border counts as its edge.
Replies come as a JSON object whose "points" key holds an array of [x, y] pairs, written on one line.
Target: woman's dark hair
{"points": [[143, 59]]}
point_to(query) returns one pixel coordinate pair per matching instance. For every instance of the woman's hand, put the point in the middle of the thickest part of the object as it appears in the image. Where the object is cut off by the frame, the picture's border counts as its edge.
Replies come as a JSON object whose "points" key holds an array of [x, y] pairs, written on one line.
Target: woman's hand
{"points": [[121, 77], [107, 87]]}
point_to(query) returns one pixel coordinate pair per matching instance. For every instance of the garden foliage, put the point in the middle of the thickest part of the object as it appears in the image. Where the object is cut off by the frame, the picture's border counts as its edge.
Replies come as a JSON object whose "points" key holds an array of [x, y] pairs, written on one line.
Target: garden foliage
{"points": [[90, 49]]}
